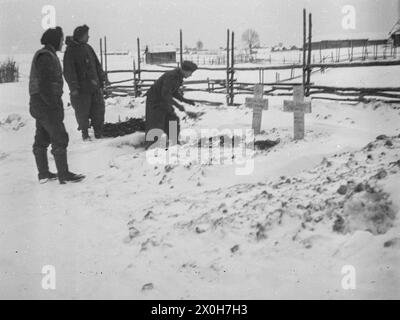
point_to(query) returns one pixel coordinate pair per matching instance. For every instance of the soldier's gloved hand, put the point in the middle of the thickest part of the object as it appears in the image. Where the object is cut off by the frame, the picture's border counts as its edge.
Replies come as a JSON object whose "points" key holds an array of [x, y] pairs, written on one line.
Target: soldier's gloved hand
{"points": [[191, 102], [181, 108]]}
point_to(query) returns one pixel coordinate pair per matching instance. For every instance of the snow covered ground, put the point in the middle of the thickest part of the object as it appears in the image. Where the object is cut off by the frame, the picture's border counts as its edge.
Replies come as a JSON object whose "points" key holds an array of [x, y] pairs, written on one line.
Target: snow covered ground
{"points": [[134, 230]]}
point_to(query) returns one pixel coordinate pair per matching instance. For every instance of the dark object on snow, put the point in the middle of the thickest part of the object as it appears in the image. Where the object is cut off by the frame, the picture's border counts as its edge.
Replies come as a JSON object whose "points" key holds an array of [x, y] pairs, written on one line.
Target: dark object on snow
{"points": [[389, 143], [382, 137], [338, 225], [395, 163], [382, 174], [132, 125], [265, 144], [148, 286], [359, 188], [342, 190], [395, 242]]}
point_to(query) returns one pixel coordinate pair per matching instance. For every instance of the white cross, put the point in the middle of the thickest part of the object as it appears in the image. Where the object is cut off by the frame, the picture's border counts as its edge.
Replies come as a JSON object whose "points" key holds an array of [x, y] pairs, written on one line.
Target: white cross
{"points": [[258, 104], [299, 107]]}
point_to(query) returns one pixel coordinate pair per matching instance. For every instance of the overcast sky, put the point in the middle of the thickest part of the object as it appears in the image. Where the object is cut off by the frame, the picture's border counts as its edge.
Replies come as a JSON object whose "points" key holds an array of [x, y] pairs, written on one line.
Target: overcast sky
{"points": [[158, 21]]}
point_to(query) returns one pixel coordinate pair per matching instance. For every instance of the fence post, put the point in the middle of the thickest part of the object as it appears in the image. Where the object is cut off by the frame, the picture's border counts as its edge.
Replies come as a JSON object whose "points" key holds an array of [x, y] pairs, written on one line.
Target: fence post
{"points": [[227, 67], [180, 46], [138, 68], [320, 52], [101, 53], [309, 54], [304, 46], [105, 55], [232, 96], [139, 58], [135, 88], [352, 51]]}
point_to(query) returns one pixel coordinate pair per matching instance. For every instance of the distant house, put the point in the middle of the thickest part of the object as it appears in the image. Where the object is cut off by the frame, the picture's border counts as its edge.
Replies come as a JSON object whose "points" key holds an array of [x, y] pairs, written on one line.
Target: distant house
{"points": [[160, 54], [394, 38], [395, 34]]}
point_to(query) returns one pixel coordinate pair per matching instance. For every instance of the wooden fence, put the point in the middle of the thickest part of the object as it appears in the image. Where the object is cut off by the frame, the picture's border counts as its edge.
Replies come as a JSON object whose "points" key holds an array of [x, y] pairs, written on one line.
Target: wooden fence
{"points": [[137, 84]]}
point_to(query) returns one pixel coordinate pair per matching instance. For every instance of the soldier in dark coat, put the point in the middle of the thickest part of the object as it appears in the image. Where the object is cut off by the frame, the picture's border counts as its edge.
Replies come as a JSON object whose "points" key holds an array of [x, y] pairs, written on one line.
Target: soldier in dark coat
{"points": [[85, 78], [46, 106], [160, 100]]}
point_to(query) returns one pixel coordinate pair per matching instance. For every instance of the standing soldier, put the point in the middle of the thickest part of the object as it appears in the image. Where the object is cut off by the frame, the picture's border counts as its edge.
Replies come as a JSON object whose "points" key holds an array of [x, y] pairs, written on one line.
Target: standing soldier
{"points": [[85, 79], [160, 100], [46, 106]]}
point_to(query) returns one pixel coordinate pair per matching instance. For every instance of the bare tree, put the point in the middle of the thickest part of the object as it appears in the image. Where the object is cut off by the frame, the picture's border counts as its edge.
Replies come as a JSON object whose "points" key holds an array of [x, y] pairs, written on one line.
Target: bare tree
{"points": [[199, 45], [251, 38]]}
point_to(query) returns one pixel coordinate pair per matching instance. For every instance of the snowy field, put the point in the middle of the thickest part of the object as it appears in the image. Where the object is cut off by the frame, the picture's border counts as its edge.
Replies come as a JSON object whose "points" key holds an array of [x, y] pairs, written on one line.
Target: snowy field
{"points": [[133, 230]]}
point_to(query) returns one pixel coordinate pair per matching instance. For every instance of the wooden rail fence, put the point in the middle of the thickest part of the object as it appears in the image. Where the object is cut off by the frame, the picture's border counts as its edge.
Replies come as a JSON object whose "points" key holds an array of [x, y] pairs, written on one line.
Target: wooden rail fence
{"points": [[136, 84]]}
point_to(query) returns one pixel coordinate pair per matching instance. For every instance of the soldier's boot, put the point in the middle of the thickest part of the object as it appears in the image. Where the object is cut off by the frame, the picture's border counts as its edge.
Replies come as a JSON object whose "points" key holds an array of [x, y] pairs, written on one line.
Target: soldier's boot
{"points": [[64, 175], [43, 165], [98, 133], [49, 176], [85, 135], [71, 177]]}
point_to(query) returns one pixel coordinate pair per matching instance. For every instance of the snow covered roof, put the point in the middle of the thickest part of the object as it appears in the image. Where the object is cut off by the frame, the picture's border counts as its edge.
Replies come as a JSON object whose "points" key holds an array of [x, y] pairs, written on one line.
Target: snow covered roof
{"points": [[168, 47], [395, 29]]}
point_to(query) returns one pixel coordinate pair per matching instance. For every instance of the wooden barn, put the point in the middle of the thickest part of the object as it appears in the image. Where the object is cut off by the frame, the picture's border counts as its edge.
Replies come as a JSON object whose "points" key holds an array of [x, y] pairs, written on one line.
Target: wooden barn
{"points": [[395, 34], [159, 55]]}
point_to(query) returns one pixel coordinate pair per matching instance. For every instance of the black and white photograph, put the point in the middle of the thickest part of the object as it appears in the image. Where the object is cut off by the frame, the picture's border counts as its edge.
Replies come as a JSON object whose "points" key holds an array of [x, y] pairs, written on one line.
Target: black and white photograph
{"points": [[199, 150]]}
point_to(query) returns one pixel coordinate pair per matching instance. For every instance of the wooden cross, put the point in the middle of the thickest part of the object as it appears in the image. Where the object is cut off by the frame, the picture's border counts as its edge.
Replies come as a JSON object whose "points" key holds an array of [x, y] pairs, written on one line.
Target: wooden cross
{"points": [[258, 104], [299, 107]]}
